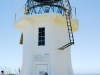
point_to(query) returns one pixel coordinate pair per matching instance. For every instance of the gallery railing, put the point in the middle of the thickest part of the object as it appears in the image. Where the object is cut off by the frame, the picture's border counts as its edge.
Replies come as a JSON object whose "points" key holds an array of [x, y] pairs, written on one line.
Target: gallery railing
{"points": [[33, 8]]}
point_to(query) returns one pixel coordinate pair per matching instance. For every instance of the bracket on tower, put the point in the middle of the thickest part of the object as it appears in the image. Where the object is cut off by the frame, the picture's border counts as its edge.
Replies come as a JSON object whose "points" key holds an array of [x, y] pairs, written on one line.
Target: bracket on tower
{"points": [[21, 39]]}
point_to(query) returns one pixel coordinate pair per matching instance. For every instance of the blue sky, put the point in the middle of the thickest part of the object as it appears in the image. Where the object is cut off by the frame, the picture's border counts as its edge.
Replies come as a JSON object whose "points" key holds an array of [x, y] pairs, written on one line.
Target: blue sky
{"points": [[85, 52]]}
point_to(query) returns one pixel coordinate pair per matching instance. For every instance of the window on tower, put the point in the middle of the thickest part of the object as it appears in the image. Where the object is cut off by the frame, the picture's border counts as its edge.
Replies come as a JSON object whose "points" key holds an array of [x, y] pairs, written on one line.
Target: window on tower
{"points": [[41, 36]]}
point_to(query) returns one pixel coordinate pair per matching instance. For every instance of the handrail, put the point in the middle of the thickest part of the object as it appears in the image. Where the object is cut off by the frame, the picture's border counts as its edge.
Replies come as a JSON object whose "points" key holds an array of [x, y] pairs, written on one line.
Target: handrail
{"points": [[21, 10], [74, 11]]}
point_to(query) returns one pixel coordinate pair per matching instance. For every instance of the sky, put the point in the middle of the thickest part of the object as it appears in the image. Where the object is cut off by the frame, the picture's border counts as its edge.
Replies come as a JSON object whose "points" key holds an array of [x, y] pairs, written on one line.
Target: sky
{"points": [[85, 53]]}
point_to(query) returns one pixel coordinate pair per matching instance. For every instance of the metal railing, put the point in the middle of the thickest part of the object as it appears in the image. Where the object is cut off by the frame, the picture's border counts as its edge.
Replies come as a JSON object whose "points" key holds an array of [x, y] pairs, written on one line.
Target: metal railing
{"points": [[19, 13], [73, 12], [24, 10]]}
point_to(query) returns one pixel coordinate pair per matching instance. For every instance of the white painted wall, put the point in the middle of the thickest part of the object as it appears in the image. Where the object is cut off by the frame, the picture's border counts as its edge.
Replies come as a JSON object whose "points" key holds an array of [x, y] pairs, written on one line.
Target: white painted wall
{"points": [[56, 35]]}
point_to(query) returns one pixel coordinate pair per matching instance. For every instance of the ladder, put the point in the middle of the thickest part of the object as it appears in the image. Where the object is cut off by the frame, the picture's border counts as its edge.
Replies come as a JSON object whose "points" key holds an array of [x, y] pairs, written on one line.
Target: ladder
{"points": [[68, 20]]}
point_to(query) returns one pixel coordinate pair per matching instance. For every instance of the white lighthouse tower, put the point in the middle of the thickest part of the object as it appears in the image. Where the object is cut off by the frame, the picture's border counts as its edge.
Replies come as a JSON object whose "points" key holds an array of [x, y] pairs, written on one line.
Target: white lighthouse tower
{"points": [[47, 28]]}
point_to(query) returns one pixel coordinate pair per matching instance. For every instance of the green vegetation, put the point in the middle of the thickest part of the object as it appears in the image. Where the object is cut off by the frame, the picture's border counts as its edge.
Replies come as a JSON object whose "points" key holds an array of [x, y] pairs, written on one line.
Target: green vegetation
{"points": [[10, 74]]}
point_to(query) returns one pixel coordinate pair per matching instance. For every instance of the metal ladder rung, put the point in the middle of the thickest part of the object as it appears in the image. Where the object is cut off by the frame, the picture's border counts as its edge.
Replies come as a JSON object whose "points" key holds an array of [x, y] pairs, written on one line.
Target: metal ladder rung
{"points": [[67, 45]]}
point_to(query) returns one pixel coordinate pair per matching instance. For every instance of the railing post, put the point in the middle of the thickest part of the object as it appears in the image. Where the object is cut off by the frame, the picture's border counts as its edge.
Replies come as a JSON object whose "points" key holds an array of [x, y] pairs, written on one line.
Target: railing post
{"points": [[15, 18], [75, 12]]}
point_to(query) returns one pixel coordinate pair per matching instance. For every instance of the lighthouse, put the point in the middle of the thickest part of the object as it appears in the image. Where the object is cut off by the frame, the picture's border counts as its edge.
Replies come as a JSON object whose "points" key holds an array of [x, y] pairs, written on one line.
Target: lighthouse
{"points": [[47, 28]]}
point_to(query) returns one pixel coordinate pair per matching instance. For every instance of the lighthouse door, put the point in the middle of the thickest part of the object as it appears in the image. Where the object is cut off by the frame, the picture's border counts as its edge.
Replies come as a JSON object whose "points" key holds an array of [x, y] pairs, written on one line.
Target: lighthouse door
{"points": [[41, 69]]}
